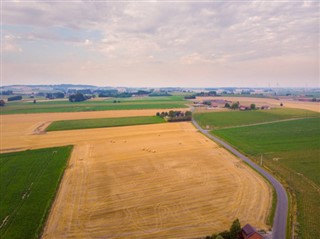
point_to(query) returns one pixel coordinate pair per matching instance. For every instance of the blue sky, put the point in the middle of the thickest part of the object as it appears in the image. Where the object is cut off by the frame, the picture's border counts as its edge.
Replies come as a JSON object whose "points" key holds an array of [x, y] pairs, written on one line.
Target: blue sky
{"points": [[161, 43]]}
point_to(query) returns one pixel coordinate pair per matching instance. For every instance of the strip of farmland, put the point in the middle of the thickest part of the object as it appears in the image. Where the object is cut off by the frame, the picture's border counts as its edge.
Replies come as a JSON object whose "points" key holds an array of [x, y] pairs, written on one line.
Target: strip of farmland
{"points": [[29, 180], [103, 123]]}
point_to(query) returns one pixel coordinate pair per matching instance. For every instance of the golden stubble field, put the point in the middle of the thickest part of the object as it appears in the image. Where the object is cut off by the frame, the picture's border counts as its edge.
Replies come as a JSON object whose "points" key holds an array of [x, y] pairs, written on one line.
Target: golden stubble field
{"points": [[16, 129], [151, 181]]}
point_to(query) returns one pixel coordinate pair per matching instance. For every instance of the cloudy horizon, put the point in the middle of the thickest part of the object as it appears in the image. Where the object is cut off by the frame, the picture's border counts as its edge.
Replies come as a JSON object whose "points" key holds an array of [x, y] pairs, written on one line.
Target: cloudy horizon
{"points": [[161, 43]]}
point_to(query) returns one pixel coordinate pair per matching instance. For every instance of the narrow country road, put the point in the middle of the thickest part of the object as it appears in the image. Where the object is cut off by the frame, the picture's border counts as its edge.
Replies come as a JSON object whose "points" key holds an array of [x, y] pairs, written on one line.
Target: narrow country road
{"points": [[280, 217]]}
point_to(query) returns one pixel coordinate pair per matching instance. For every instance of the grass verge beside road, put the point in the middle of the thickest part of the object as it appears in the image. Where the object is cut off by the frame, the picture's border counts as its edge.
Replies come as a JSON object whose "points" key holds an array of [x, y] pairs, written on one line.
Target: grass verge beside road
{"points": [[104, 122], [291, 151], [29, 181]]}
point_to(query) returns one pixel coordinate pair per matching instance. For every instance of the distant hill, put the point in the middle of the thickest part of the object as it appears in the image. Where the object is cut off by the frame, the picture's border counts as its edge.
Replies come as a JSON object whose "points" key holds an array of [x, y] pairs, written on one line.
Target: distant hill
{"points": [[53, 86]]}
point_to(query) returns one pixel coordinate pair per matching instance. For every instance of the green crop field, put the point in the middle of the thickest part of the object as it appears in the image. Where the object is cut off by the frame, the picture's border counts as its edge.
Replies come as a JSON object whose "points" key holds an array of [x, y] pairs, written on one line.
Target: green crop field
{"points": [[291, 150], [218, 120], [101, 123], [29, 181], [167, 102]]}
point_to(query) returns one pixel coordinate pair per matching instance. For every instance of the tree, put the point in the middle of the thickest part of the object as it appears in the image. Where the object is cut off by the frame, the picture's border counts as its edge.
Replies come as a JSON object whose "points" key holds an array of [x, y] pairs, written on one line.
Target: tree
{"points": [[281, 104], [235, 229], [34, 101], [225, 235], [77, 97], [171, 113], [49, 96], [2, 103], [212, 93], [235, 105], [227, 105], [188, 114], [253, 106], [158, 114], [58, 95]]}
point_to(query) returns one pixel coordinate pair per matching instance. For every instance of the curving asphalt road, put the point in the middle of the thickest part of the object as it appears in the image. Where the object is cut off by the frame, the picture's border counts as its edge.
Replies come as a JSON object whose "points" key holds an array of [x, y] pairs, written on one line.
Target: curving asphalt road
{"points": [[280, 217]]}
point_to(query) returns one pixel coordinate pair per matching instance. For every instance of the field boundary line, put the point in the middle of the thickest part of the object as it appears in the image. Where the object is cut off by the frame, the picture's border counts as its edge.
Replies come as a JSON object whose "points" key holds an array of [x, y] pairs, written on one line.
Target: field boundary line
{"points": [[269, 122]]}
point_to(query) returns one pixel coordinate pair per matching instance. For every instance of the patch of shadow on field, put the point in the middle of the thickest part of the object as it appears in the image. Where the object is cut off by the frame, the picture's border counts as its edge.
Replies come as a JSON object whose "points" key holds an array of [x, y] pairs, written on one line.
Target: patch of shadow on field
{"points": [[41, 129]]}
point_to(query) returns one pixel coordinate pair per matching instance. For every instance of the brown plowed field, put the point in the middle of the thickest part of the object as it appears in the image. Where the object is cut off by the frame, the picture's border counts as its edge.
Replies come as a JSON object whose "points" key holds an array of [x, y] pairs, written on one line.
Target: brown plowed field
{"points": [[151, 181]]}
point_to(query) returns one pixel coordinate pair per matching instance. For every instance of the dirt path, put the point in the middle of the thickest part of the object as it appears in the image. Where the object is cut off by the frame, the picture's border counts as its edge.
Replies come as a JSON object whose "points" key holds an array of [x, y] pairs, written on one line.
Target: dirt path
{"points": [[269, 122]]}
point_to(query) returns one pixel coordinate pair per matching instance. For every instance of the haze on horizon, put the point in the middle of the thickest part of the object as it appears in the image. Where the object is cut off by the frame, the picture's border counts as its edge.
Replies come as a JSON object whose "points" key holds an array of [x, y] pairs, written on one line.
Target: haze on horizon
{"points": [[161, 43]]}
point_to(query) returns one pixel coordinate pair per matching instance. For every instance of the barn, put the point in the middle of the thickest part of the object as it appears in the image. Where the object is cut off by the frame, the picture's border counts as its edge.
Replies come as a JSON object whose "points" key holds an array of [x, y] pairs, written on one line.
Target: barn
{"points": [[248, 232]]}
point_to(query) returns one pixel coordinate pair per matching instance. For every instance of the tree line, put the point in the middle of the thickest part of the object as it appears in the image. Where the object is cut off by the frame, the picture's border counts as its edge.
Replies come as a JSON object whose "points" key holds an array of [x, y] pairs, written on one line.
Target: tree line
{"points": [[175, 116]]}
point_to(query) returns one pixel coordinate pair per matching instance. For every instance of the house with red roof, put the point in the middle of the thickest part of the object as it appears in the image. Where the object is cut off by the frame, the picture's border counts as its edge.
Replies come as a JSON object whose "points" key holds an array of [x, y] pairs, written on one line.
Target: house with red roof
{"points": [[249, 232]]}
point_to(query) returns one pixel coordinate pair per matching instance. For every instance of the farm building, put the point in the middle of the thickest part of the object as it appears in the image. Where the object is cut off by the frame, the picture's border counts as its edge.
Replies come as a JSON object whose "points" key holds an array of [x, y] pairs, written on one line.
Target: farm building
{"points": [[198, 105], [265, 107], [242, 107], [248, 232]]}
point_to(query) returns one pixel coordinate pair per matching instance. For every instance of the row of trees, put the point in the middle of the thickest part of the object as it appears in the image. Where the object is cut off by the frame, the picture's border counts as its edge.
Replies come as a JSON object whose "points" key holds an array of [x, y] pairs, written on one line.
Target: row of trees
{"points": [[160, 93], [55, 95], [201, 94], [236, 105], [233, 233], [175, 116], [78, 97], [14, 98], [7, 92]]}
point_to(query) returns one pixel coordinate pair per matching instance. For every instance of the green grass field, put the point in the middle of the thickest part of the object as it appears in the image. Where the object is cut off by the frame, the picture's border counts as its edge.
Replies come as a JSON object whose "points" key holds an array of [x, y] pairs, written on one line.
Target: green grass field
{"points": [[218, 120], [29, 181], [167, 102], [101, 123], [291, 150]]}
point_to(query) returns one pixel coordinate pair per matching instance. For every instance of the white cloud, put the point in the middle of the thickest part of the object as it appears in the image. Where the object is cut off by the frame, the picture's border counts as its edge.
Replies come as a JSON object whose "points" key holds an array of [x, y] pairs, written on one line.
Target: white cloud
{"points": [[9, 44], [213, 34]]}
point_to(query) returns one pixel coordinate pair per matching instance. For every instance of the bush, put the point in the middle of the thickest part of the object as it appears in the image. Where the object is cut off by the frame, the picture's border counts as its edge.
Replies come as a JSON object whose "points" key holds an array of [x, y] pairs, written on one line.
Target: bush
{"points": [[235, 105], [2, 103], [235, 229]]}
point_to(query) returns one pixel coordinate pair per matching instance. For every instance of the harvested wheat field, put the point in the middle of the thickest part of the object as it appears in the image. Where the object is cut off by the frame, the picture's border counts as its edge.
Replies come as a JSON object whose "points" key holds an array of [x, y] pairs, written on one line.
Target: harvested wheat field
{"points": [[154, 181], [151, 181], [16, 129], [289, 103]]}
